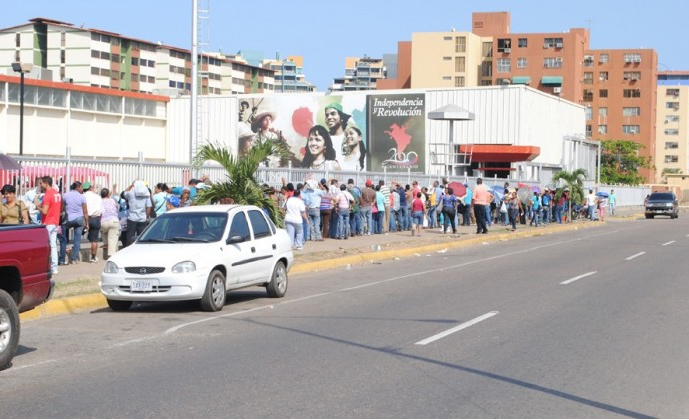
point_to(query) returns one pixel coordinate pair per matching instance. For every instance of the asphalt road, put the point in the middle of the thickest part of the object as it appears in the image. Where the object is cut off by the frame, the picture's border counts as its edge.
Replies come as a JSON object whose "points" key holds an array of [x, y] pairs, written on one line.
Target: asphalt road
{"points": [[583, 324]]}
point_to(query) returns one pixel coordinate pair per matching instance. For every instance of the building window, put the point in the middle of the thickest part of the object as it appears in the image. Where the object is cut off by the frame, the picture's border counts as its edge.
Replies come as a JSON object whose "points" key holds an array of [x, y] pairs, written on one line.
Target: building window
{"points": [[603, 76], [552, 62], [504, 45], [460, 44], [671, 118], [672, 105], [603, 58], [487, 49], [588, 95], [632, 75], [486, 69], [588, 61], [603, 111], [589, 113], [634, 111], [589, 130], [446, 58], [522, 42], [671, 159], [588, 78], [447, 38], [631, 93], [671, 145], [630, 129], [460, 63], [504, 65], [17, 40], [632, 58], [552, 43], [672, 92], [522, 63], [62, 56], [672, 132], [603, 129], [447, 77], [459, 81], [603, 93]]}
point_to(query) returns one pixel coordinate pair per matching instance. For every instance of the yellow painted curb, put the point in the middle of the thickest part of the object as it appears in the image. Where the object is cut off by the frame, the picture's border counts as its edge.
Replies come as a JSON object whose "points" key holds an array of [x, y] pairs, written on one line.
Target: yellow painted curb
{"points": [[67, 305]]}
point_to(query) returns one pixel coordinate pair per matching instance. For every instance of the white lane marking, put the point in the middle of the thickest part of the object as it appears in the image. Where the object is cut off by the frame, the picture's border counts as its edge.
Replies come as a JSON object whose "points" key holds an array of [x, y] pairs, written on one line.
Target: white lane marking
{"points": [[457, 328], [579, 277], [375, 283], [33, 364], [635, 255], [668, 243]]}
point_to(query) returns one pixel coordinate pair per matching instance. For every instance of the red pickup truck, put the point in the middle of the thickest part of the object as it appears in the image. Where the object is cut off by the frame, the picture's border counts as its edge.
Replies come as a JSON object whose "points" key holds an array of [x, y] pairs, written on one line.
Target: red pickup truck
{"points": [[25, 280]]}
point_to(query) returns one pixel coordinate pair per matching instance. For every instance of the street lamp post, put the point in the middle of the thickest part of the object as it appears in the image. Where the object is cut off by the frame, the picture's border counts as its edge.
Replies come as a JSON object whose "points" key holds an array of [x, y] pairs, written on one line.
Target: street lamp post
{"points": [[22, 69]]}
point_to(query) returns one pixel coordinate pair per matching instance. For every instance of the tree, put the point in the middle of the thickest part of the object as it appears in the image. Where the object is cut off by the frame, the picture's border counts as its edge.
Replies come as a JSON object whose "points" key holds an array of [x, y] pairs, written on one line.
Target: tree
{"points": [[575, 186], [241, 185], [620, 162]]}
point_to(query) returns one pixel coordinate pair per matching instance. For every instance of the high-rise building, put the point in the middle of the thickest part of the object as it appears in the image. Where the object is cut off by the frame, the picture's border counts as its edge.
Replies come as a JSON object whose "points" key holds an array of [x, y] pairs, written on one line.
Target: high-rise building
{"points": [[672, 132], [289, 75], [60, 51], [361, 73]]}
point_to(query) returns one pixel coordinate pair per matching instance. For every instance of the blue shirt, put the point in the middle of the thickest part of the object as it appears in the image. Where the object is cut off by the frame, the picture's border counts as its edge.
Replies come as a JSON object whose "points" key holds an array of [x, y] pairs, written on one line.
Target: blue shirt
{"points": [[467, 199]]}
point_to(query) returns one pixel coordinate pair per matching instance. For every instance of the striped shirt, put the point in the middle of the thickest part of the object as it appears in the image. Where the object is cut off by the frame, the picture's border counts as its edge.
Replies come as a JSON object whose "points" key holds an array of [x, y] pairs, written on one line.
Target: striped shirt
{"points": [[385, 190]]}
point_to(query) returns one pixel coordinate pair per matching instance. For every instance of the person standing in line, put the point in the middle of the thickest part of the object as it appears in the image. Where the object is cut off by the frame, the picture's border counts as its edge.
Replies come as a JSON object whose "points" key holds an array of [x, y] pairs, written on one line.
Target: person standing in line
{"points": [[467, 199], [380, 215], [403, 208], [479, 201], [546, 202], [395, 210], [385, 190], [355, 213], [515, 210], [326, 208], [14, 212], [94, 205], [449, 210], [139, 202], [109, 223], [295, 215], [591, 201], [612, 200], [50, 215], [418, 209], [314, 207], [344, 201], [368, 198], [535, 209], [162, 191], [602, 204], [77, 218]]}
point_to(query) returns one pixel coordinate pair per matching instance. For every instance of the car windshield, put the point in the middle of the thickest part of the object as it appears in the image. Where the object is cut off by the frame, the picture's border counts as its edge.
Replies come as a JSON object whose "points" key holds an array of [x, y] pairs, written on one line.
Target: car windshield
{"points": [[176, 227], [661, 196]]}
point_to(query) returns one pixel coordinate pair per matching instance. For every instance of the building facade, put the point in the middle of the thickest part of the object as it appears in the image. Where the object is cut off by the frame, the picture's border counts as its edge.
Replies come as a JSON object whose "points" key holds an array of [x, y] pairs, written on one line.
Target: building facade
{"points": [[672, 132], [361, 73]]}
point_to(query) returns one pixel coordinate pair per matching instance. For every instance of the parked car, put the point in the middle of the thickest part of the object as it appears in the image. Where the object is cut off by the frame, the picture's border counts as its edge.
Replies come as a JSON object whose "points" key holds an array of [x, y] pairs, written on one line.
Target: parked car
{"points": [[199, 253], [25, 280], [662, 204]]}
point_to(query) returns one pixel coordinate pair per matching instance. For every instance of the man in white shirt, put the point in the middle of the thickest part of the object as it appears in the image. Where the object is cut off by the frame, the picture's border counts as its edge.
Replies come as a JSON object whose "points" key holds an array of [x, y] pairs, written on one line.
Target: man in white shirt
{"points": [[591, 201], [94, 208]]}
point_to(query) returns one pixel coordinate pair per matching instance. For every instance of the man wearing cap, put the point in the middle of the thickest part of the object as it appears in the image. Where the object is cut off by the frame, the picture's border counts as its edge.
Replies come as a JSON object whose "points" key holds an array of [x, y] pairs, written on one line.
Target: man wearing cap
{"points": [[336, 120], [94, 205]]}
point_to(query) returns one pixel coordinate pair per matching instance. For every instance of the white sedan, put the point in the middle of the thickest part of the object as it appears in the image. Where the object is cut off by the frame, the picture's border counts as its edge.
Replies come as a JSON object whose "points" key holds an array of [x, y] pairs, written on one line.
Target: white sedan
{"points": [[199, 252]]}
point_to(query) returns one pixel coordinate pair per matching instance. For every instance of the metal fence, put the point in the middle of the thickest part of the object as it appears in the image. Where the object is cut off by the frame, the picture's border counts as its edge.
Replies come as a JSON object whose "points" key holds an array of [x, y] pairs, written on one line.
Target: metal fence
{"points": [[117, 175]]}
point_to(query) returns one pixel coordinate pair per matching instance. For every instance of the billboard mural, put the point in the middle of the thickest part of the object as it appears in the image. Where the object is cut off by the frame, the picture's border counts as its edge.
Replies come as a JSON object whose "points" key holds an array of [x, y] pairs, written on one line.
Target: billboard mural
{"points": [[321, 132], [397, 132]]}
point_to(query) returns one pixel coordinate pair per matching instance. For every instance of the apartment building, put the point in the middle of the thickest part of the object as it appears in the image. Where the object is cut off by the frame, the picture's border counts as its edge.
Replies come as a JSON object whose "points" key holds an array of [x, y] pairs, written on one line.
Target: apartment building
{"points": [[672, 133], [289, 75], [361, 73], [61, 51]]}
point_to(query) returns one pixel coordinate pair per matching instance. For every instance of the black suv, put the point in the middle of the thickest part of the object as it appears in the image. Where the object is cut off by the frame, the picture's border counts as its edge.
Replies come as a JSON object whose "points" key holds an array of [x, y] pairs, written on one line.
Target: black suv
{"points": [[662, 203]]}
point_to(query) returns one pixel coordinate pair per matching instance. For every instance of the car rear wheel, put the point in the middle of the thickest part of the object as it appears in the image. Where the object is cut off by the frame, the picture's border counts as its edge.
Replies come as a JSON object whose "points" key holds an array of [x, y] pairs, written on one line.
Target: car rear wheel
{"points": [[9, 329], [119, 305], [213, 299], [278, 282]]}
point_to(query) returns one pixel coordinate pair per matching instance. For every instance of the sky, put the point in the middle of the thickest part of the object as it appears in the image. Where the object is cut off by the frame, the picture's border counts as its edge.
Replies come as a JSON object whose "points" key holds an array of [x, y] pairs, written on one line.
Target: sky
{"points": [[325, 33]]}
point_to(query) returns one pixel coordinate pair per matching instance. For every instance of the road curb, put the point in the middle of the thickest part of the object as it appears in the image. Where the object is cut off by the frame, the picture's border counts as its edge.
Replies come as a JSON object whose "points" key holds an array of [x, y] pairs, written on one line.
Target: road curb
{"points": [[90, 302]]}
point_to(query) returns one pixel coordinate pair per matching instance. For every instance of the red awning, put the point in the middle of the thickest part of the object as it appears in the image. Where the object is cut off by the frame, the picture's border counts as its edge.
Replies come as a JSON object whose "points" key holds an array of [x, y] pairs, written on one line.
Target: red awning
{"points": [[500, 152]]}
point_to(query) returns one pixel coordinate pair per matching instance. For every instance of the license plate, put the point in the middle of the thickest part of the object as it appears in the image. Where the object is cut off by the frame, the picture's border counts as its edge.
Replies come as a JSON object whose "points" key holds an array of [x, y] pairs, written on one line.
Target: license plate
{"points": [[142, 286]]}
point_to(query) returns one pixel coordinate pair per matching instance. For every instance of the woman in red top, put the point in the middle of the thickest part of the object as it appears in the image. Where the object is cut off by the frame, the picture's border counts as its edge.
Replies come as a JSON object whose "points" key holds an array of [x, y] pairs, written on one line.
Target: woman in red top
{"points": [[418, 212]]}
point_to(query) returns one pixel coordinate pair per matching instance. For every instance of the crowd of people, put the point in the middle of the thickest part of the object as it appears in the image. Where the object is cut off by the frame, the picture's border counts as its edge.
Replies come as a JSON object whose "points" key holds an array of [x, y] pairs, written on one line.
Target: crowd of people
{"points": [[316, 210], [116, 217]]}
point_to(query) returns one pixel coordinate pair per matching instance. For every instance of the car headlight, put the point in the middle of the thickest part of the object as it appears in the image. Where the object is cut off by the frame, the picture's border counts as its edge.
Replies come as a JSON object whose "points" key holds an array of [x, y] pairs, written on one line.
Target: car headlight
{"points": [[184, 267], [668, 204], [110, 268]]}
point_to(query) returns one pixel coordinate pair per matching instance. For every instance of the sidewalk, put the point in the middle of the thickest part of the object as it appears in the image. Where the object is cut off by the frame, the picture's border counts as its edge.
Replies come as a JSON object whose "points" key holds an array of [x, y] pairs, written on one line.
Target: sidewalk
{"points": [[318, 256]]}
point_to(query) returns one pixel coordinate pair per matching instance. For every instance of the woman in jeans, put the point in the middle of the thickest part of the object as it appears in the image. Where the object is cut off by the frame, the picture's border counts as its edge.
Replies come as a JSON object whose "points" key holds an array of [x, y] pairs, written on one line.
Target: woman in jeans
{"points": [[449, 203], [515, 209], [418, 211], [295, 216]]}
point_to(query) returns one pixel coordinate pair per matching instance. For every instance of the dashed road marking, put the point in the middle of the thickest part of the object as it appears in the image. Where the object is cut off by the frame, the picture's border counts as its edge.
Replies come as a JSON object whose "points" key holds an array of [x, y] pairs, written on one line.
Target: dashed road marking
{"points": [[635, 255], [457, 328], [578, 277], [668, 243]]}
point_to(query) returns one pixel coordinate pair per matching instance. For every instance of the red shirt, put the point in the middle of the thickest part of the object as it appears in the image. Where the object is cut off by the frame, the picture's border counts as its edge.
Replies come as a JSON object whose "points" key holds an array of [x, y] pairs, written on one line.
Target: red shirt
{"points": [[53, 200]]}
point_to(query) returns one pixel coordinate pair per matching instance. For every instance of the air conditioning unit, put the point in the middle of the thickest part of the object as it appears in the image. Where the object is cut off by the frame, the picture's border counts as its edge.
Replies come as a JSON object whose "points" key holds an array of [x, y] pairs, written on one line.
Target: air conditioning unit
{"points": [[558, 45], [557, 89], [507, 50]]}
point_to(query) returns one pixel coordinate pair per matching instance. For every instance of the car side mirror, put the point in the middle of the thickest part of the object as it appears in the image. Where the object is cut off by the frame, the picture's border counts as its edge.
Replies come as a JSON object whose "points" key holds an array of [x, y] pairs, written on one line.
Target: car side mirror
{"points": [[235, 239]]}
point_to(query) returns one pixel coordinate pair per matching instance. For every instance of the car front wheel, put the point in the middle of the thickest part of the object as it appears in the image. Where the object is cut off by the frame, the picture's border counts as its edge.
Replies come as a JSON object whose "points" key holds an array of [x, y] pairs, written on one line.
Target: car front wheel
{"points": [[119, 305], [213, 299], [9, 329], [278, 282]]}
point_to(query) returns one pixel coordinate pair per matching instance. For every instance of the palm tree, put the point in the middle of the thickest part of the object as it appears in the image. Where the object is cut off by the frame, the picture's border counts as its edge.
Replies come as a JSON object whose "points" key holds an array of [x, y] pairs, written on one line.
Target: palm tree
{"points": [[575, 185], [241, 185]]}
